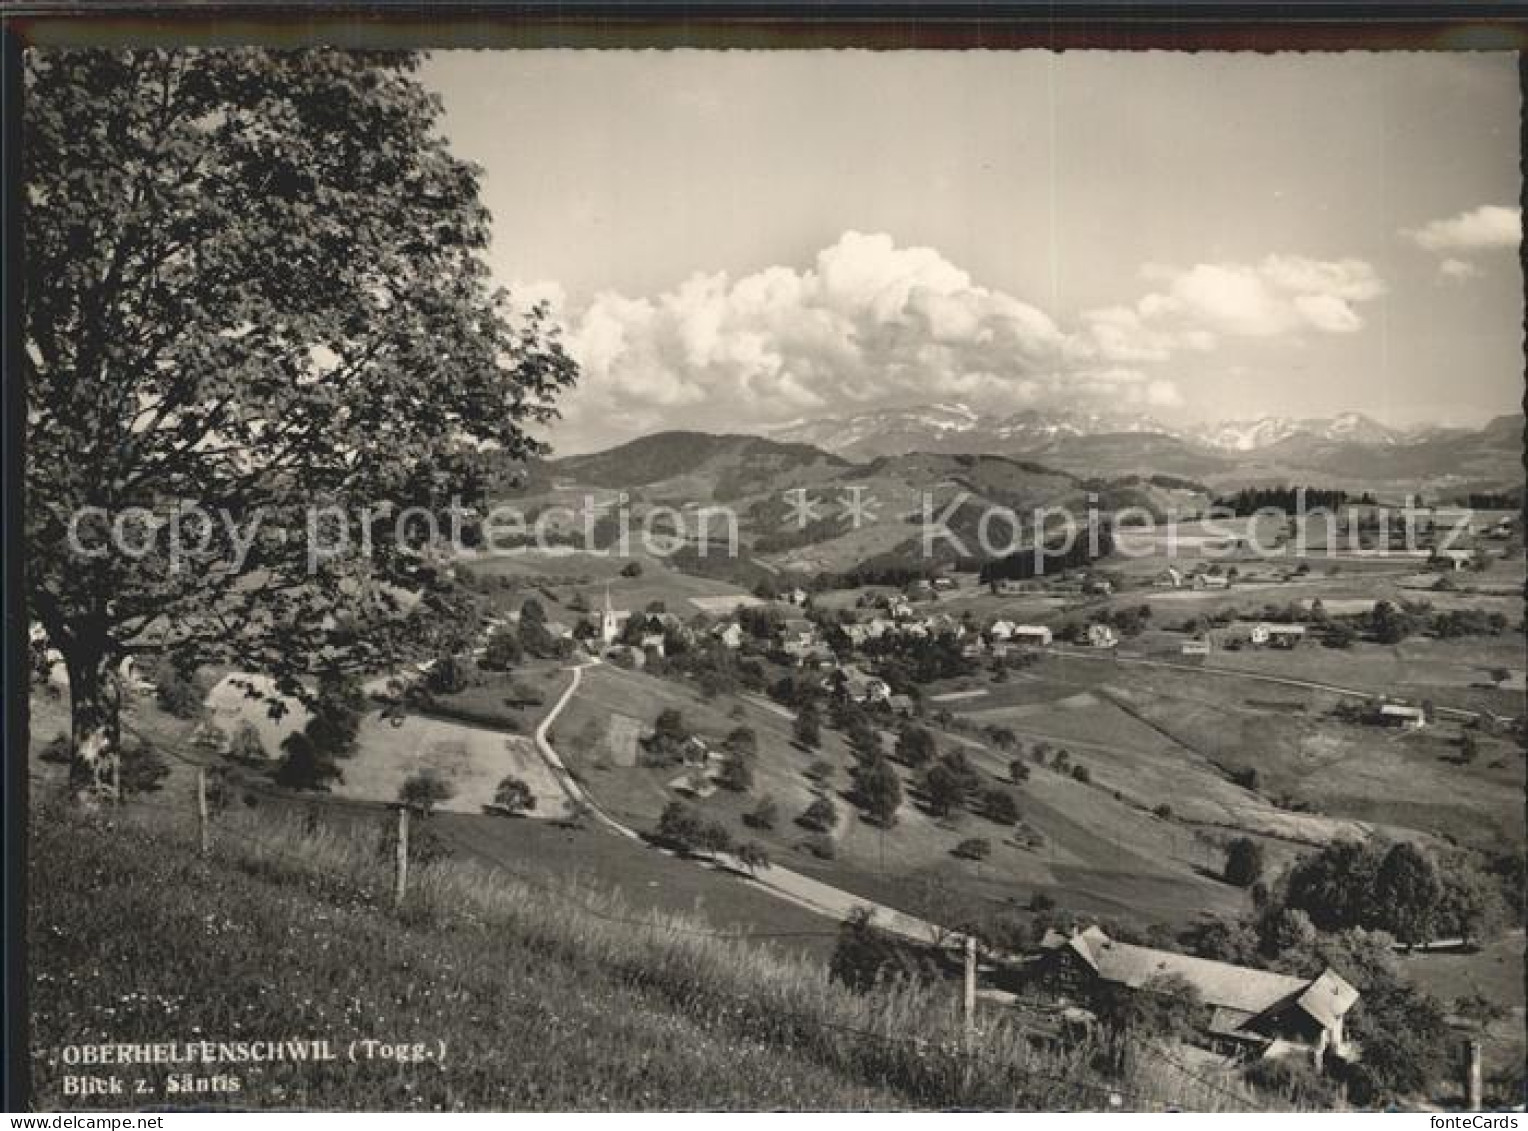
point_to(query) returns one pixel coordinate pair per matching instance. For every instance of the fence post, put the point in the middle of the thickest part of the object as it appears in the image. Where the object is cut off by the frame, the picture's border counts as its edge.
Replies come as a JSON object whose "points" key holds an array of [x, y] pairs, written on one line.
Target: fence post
{"points": [[403, 856], [201, 810], [1472, 1082], [968, 999]]}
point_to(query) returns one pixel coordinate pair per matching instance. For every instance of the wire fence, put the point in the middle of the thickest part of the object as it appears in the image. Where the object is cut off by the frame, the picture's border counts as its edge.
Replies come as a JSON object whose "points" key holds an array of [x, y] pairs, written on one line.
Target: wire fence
{"points": [[1082, 1093]]}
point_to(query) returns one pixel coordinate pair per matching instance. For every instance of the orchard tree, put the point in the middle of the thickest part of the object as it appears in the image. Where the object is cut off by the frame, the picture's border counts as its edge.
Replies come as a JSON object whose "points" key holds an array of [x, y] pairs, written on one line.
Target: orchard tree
{"points": [[1408, 893], [256, 317], [1244, 862]]}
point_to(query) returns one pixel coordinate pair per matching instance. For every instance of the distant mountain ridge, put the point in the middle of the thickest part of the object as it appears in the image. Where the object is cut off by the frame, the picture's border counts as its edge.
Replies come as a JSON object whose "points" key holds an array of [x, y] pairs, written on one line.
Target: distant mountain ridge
{"points": [[956, 427], [1350, 451]]}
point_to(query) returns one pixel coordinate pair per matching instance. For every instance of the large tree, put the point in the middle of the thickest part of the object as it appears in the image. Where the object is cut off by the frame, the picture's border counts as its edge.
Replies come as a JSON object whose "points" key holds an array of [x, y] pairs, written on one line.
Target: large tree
{"points": [[255, 284]]}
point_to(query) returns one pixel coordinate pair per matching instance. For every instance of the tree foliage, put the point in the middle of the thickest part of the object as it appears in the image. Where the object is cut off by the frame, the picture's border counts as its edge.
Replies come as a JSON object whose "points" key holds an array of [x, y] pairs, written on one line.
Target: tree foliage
{"points": [[256, 284]]}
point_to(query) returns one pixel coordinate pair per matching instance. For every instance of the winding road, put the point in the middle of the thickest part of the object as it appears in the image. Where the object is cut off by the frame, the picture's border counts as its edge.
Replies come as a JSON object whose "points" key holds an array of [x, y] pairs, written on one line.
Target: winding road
{"points": [[792, 887]]}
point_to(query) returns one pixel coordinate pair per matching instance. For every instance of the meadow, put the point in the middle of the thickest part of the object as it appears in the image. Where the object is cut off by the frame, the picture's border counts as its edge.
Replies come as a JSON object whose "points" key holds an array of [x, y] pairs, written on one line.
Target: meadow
{"points": [[523, 998]]}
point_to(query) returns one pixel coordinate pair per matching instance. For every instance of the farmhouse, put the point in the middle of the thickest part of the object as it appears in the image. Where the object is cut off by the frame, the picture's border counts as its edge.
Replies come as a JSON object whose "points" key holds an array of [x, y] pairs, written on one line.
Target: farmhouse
{"points": [[1253, 1013], [1400, 715], [1033, 634], [1102, 636], [1279, 635]]}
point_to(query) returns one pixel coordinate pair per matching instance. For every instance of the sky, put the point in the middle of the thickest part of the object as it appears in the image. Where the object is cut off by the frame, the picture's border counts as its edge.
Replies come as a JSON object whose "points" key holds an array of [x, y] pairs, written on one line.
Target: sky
{"points": [[736, 240]]}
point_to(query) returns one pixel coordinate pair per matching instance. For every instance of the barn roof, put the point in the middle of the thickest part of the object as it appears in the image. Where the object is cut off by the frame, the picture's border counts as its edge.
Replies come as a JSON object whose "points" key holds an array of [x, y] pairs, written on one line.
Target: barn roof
{"points": [[1240, 989]]}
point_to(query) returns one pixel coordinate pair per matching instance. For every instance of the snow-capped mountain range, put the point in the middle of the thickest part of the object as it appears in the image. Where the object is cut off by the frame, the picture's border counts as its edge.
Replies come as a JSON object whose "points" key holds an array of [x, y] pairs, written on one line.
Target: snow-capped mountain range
{"points": [[943, 426]]}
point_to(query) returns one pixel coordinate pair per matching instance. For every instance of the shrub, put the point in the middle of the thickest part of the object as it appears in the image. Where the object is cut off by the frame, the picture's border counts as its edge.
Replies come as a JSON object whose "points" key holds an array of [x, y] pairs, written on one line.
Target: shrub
{"points": [[142, 769], [998, 805], [736, 773], [866, 957], [245, 744], [1164, 810], [424, 790], [820, 816], [915, 746], [1244, 862], [752, 856], [822, 847], [1041, 902], [879, 790], [1082, 774], [178, 694], [976, 848], [513, 795], [304, 765], [765, 814], [632, 569], [503, 650]]}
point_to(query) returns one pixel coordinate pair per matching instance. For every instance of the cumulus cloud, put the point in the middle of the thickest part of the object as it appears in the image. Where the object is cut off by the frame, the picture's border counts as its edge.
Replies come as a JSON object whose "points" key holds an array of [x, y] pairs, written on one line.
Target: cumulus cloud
{"points": [[1487, 228], [871, 323]]}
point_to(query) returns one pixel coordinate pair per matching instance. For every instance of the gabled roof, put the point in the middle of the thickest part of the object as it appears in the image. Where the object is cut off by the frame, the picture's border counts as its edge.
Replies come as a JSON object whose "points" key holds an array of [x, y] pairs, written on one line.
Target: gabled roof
{"points": [[1328, 998], [1219, 984]]}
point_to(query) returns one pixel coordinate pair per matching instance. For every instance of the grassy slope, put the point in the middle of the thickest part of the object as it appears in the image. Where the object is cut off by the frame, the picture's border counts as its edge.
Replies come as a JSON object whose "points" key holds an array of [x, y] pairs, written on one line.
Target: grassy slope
{"points": [[540, 1003]]}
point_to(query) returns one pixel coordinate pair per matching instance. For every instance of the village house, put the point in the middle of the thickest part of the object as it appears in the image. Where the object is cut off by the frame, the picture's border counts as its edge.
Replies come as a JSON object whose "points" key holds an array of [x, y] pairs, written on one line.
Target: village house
{"points": [[901, 705], [899, 607], [1401, 715], [796, 595], [653, 642], [1195, 648], [730, 634], [626, 654], [1033, 635], [1102, 636], [944, 583], [695, 751], [1456, 559], [1170, 578], [858, 684], [1211, 581], [1001, 629], [798, 631], [1249, 1013]]}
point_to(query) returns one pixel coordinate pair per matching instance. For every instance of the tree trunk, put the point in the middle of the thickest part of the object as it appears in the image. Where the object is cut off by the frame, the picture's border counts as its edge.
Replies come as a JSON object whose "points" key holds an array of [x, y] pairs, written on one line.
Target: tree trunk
{"points": [[95, 725]]}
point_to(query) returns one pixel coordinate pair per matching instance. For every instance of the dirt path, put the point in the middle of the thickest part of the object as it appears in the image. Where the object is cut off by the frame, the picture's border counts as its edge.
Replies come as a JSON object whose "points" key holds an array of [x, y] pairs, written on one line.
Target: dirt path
{"points": [[803, 891]]}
